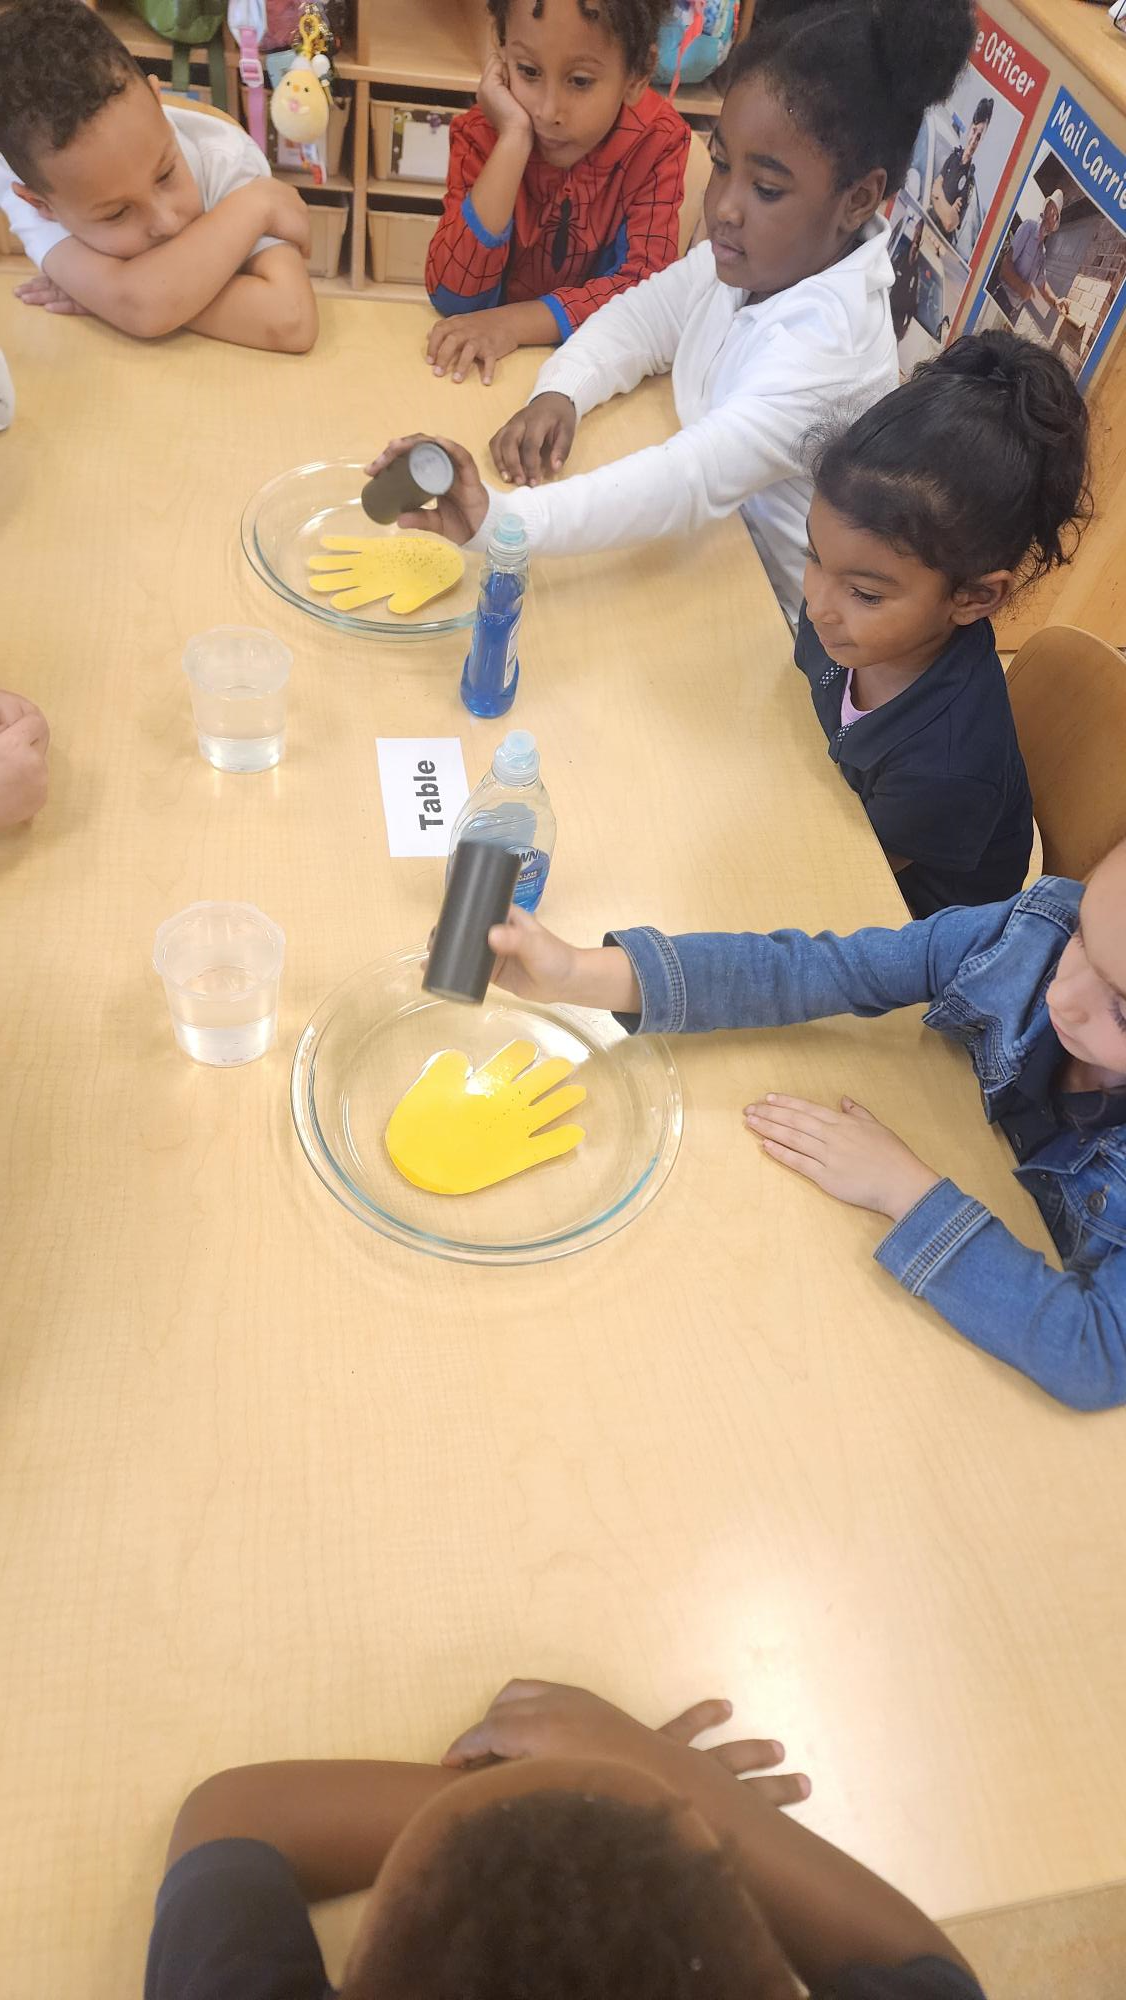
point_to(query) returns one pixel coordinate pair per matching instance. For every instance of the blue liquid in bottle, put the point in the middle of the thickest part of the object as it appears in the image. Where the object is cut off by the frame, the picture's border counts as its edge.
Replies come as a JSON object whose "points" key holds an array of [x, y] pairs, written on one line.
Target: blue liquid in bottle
{"points": [[492, 669], [511, 807]]}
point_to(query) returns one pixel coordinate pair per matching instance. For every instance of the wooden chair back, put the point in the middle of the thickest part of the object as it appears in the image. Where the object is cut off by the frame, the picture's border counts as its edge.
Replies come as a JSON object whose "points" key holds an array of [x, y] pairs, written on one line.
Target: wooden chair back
{"points": [[1068, 691]]}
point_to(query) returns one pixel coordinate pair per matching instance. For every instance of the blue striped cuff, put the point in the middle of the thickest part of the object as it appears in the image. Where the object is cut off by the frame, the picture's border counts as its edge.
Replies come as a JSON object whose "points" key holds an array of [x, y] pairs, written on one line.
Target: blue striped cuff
{"points": [[482, 234]]}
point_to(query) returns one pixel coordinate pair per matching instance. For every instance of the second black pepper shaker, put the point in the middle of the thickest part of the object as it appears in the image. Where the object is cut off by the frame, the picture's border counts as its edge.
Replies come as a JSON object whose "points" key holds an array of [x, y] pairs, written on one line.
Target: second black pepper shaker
{"points": [[478, 894]]}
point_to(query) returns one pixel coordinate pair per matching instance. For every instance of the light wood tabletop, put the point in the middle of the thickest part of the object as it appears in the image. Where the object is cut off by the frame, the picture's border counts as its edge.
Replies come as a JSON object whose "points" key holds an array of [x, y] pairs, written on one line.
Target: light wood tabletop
{"points": [[272, 1486]]}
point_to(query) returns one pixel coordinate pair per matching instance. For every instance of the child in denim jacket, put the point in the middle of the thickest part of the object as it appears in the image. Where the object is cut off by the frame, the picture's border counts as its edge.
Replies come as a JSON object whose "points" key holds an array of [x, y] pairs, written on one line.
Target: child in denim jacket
{"points": [[1036, 989]]}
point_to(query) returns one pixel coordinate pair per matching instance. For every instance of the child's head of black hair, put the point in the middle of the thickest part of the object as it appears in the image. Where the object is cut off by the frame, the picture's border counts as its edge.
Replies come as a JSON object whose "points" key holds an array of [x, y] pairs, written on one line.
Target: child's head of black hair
{"points": [[555, 1894], [978, 464], [59, 64], [857, 75], [634, 23]]}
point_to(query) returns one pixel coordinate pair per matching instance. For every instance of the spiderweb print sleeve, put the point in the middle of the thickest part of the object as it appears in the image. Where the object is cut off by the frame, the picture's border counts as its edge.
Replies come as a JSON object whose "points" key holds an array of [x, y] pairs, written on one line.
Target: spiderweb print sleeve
{"points": [[465, 263]]}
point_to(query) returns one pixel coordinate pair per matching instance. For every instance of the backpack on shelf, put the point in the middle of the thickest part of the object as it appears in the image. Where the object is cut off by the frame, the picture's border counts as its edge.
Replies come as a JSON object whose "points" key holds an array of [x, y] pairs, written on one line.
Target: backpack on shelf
{"points": [[188, 25], [282, 17], [694, 41]]}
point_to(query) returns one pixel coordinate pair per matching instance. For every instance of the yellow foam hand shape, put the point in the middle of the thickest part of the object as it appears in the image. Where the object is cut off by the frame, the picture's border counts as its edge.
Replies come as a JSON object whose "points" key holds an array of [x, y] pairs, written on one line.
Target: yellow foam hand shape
{"points": [[459, 1129], [408, 570]]}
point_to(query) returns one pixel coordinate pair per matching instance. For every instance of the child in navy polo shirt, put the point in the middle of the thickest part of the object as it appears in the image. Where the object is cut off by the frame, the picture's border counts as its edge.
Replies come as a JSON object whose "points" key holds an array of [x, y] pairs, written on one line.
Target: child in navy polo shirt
{"points": [[928, 512]]}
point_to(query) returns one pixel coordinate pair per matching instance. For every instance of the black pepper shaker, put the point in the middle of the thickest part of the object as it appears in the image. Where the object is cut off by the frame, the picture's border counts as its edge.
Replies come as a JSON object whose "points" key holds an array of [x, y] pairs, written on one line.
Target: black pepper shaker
{"points": [[478, 895], [423, 473]]}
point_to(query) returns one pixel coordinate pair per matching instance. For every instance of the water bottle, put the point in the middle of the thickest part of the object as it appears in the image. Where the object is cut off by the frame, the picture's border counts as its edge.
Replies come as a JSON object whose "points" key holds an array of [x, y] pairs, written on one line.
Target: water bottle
{"points": [[491, 671], [510, 808]]}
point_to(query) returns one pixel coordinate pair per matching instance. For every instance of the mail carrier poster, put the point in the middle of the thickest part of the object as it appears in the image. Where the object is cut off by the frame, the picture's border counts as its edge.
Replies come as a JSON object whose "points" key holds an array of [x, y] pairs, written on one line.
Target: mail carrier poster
{"points": [[1059, 271]]}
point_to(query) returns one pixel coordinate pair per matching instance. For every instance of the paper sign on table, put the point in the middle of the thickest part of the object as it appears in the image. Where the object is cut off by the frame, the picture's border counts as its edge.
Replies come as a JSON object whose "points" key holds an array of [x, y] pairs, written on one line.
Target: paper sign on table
{"points": [[424, 788]]}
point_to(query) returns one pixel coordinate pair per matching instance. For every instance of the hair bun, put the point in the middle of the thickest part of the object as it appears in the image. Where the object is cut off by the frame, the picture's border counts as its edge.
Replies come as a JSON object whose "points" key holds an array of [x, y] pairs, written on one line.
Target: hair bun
{"points": [[923, 45]]}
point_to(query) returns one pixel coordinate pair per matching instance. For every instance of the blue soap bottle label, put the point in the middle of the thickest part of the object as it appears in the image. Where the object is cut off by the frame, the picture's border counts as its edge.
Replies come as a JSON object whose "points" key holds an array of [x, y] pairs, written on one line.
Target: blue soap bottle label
{"points": [[532, 879]]}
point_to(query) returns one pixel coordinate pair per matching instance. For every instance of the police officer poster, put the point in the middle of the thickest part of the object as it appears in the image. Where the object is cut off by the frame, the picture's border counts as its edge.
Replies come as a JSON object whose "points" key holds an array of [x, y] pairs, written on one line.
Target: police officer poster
{"points": [[953, 189], [1058, 274]]}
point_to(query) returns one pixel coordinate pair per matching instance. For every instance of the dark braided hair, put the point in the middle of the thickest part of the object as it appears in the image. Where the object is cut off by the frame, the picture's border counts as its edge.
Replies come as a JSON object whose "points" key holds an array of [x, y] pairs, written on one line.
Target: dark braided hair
{"points": [[59, 64], [857, 75], [978, 463], [634, 23], [553, 1895]]}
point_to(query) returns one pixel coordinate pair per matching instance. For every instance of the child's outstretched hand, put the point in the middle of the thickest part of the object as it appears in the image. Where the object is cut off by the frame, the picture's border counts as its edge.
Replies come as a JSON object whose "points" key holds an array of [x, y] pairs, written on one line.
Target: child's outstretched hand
{"points": [[536, 443], [545, 1719], [482, 337], [847, 1152], [24, 736], [497, 102], [457, 514]]}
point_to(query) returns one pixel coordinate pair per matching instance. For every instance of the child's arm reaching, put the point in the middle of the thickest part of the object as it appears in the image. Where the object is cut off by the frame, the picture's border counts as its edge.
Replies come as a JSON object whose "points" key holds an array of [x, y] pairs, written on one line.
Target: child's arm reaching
{"points": [[827, 1912], [633, 335], [175, 283], [752, 979]]}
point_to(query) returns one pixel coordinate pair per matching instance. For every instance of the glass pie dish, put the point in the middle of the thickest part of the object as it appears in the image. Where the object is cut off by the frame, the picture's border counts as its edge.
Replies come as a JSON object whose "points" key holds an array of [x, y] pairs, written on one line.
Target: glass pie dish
{"points": [[370, 1040], [283, 526]]}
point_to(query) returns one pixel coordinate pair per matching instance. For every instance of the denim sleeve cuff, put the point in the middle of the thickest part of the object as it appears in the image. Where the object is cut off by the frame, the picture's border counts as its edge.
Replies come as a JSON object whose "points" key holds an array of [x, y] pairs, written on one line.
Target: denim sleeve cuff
{"points": [[559, 315], [483, 235], [931, 1232], [660, 977]]}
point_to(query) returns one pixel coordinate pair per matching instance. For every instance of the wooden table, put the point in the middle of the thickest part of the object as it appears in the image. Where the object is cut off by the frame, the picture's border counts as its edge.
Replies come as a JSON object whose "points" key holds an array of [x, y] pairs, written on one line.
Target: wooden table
{"points": [[271, 1486]]}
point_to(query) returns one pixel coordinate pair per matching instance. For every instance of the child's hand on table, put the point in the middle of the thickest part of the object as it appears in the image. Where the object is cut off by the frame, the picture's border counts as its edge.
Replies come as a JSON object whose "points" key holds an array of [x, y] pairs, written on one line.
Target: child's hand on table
{"points": [[544, 1719], [536, 965], [24, 736], [848, 1153], [39, 291], [536, 442], [457, 514], [497, 102], [482, 337]]}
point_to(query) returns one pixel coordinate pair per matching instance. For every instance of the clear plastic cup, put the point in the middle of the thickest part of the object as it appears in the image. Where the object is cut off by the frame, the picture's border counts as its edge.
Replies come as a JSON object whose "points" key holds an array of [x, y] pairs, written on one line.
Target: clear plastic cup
{"points": [[221, 965], [239, 676]]}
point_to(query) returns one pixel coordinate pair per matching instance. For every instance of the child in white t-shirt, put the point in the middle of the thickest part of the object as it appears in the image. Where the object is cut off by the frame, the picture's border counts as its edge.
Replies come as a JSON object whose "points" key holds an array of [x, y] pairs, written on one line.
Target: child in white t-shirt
{"points": [[150, 218], [779, 321]]}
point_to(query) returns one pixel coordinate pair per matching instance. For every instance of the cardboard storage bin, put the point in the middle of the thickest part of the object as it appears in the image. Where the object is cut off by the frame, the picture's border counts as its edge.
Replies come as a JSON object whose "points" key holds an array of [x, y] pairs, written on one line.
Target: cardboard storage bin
{"points": [[399, 242], [328, 216]]}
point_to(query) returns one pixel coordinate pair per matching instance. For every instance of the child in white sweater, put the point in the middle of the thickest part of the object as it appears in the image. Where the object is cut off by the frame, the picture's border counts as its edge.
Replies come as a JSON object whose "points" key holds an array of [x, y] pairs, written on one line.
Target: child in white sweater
{"points": [[780, 318]]}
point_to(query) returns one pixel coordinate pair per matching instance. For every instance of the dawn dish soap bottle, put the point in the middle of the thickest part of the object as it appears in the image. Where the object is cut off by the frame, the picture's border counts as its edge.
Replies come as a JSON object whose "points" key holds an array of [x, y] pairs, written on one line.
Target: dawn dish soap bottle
{"points": [[510, 807], [491, 671]]}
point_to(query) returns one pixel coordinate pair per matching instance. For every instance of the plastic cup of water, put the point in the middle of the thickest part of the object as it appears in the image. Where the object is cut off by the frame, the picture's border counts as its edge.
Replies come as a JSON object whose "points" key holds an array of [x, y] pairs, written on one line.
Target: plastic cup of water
{"points": [[221, 965], [239, 676]]}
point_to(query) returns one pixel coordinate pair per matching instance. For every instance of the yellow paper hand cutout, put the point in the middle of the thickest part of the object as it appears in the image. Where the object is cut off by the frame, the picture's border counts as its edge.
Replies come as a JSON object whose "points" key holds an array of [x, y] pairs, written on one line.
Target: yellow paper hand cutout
{"points": [[408, 570], [459, 1129]]}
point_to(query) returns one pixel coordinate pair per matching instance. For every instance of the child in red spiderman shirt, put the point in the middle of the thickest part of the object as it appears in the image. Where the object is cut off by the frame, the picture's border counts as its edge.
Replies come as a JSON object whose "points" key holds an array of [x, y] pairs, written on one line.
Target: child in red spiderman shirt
{"points": [[565, 181]]}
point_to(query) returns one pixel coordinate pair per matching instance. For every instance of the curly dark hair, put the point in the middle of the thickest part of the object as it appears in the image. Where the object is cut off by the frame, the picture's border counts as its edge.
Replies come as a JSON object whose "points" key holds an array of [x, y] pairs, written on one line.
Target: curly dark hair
{"points": [[978, 463], [555, 1894], [857, 75], [634, 23], [59, 65]]}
